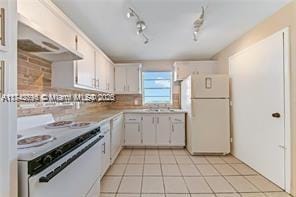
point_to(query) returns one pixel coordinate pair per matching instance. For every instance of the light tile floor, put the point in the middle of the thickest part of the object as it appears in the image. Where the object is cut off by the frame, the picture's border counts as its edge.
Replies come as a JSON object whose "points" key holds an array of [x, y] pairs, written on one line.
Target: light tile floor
{"points": [[175, 173]]}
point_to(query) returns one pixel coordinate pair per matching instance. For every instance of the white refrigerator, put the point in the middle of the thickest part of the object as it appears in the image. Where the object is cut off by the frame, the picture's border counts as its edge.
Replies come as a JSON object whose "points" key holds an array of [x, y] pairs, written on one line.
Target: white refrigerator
{"points": [[206, 99]]}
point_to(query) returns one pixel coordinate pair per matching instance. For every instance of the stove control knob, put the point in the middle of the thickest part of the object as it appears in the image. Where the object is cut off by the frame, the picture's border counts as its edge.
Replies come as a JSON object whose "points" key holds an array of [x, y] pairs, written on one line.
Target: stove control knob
{"points": [[58, 152], [47, 159]]}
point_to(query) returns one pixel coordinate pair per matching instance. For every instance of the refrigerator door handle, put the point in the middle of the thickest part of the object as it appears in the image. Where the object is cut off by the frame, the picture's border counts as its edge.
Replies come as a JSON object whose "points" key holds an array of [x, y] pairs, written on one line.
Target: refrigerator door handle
{"points": [[208, 83]]}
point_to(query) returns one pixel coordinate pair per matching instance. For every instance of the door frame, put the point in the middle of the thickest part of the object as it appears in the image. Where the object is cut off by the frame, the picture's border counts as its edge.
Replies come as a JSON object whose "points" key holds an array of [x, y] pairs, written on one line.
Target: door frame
{"points": [[287, 94], [287, 104]]}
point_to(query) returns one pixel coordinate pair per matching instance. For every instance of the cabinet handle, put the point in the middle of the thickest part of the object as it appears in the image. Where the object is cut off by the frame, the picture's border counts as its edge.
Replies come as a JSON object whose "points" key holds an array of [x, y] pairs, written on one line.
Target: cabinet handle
{"points": [[157, 120], [2, 76], [104, 145], [98, 83], [173, 128], [152, 120], [139, 128], [2, 18]]}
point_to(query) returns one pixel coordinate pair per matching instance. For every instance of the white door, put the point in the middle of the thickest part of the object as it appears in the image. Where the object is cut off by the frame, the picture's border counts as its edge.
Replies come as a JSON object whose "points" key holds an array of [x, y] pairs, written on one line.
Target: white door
{"points": [[148, 130], [120, 79], [210, 86], [163, 129], [133, 135], [210, 126], [132, 78], [258, 95], [86, 66]]}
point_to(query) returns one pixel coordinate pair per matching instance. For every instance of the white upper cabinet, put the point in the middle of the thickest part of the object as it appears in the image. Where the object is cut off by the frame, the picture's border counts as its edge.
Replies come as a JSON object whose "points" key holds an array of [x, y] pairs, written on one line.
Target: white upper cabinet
{"points": [[120, 79], [3, 24], [183, 69], [100, 72], [93, 71], [85, 75], [128, 78]]}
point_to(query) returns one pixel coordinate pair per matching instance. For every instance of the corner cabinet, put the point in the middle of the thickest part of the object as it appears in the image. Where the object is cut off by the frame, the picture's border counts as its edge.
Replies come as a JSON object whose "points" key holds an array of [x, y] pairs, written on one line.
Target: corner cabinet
{"points": [[154, 129], [128, 79], [183, 69]]}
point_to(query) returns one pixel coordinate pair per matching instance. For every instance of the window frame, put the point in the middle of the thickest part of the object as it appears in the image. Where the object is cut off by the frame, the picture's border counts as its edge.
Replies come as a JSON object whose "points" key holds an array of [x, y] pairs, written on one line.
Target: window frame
{"points": [[171, 89]]}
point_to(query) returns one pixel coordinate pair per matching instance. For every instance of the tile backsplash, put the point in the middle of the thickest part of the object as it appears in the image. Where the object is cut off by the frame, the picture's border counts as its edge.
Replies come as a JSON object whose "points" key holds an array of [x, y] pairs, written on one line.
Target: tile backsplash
{"points": [[34, 77]]}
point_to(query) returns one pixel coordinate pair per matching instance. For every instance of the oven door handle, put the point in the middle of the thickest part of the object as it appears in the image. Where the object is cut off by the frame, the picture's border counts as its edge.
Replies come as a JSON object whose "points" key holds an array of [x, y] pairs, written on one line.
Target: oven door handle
{"points": [[49, 176]]}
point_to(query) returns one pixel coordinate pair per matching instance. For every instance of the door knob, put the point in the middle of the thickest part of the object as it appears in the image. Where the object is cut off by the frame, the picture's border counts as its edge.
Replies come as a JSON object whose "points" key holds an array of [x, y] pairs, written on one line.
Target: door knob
{"points": [[276, 115]]}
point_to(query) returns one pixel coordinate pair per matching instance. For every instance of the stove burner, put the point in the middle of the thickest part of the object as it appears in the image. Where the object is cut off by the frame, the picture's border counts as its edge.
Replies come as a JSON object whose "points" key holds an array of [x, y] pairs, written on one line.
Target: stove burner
{"points": [[79, 125], [34, 141], [59, 124]]}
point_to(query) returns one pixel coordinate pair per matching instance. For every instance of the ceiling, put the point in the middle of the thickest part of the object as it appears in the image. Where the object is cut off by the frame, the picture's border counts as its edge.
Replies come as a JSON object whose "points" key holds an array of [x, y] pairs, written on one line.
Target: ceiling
{"points": [[169, 25]]}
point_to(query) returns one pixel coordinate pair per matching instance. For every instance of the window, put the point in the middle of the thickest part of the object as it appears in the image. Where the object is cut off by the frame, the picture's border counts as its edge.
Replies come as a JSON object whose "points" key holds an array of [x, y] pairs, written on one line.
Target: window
{"points": [[157, 87]]}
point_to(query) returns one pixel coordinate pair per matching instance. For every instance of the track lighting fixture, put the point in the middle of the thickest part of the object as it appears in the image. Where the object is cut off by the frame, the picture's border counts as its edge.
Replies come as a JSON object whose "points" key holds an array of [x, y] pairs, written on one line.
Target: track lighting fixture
{"points": [[140, 24], [198, 24]]}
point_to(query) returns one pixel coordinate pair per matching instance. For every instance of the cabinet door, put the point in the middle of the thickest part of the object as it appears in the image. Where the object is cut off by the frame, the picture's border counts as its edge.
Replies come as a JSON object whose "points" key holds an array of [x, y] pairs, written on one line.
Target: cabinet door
{"points": [[163, 130], [116, 135], [148, 130], [178, 134], [3, 24], [105, 153], [100, 72], [133, 79], [133, 135], [110, 81], [120, 79], [86, 66]]}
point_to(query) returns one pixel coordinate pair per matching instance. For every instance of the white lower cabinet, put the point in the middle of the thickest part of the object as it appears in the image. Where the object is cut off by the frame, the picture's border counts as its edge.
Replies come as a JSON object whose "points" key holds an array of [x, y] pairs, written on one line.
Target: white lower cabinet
{"points": [[116, 136], [163, 129], [154, 130], [106, 148], [148, 130], [177, 134], [133, 134]]}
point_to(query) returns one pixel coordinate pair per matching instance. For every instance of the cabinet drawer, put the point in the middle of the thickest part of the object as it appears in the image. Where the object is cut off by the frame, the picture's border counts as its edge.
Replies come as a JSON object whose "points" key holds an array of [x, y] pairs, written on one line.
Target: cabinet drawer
{"points": [[178, 118], [132, 118]]}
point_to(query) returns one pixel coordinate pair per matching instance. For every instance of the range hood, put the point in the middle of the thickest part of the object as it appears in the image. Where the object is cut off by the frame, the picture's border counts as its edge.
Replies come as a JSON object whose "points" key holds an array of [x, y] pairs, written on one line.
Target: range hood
{"points": [[32, 40]]}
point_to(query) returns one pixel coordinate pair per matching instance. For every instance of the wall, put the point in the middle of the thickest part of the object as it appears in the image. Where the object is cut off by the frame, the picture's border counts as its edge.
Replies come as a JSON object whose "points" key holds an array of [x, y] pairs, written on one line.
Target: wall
{"points": [[34, 77], [286, 17]]}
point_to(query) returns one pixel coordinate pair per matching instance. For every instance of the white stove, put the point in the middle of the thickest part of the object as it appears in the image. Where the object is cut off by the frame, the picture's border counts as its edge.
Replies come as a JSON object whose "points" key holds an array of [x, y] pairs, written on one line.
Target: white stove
{"points": [[54, 156]]}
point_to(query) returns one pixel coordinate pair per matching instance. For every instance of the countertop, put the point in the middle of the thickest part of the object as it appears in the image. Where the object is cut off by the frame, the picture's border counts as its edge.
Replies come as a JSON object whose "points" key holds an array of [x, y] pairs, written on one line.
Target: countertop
{"points": [[108, 115]]}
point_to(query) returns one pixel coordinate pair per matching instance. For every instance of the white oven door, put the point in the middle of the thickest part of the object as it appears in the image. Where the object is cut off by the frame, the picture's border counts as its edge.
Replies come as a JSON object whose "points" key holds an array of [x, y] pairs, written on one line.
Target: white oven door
{"points": [[75, 180]]}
